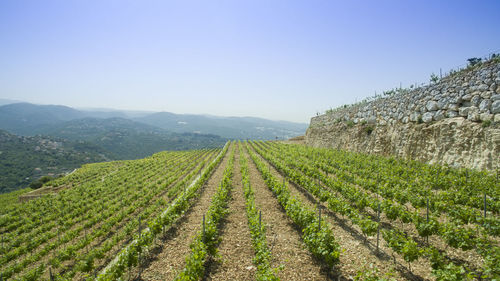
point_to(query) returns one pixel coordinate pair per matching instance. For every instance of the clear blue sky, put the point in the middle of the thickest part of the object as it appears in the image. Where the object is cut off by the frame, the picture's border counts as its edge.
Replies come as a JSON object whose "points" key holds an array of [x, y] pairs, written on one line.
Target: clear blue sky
{"points": [[275, 59]]}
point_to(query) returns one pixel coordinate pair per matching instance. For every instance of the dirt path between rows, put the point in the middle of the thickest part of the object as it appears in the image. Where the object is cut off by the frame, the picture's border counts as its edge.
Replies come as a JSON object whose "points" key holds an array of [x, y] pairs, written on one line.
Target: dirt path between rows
{"points": [[356, 255], [283, 238], [235, 249], [168, 258]]}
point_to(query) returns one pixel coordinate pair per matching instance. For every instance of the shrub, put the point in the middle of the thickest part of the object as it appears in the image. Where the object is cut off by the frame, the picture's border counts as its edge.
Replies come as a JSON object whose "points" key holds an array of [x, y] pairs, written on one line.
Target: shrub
{"points": [[486, 123], [368, 130], [474, 61], [39, 182], [434, 78]]}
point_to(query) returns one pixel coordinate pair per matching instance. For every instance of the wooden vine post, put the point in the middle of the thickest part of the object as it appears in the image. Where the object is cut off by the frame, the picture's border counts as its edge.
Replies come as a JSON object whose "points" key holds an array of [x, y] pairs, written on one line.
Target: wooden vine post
{"points": [[427, 237], [484, 204], [203, 228], [378, 227], [319, 217], [260, 220]]}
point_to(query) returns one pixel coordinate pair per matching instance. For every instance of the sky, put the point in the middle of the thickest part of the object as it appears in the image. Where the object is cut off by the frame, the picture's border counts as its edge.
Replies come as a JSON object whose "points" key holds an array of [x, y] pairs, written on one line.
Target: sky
{"points": [[281, 60]]}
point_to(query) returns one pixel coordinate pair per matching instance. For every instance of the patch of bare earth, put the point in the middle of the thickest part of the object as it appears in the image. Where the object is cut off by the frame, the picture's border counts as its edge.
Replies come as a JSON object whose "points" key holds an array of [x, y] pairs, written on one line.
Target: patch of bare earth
{"points": [[236, 251], [167, 259], [284, 240]]}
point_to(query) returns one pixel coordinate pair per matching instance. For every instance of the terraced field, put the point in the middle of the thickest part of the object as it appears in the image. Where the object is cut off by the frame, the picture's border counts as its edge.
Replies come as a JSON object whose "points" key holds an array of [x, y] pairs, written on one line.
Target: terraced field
{"points": [[257, 211]]}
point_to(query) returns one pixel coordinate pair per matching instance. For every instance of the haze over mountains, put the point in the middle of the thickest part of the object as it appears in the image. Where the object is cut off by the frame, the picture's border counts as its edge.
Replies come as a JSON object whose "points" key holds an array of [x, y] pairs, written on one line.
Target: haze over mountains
{"points": [[31, 119], [49, 139]]}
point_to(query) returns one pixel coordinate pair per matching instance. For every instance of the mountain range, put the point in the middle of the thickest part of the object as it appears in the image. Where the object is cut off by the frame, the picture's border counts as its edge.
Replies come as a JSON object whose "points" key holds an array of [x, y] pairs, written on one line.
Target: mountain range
{"points": [[38, 140], [30, 119]]}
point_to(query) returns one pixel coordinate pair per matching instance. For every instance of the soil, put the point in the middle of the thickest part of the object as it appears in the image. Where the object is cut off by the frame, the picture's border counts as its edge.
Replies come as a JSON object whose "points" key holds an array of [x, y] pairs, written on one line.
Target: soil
{"points": [[235, 250], [289, 252], [167, 259], [358, 254]]}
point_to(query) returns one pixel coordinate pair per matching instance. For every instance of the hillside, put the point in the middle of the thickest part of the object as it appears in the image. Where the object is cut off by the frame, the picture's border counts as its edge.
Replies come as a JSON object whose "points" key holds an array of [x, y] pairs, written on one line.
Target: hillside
{"points": [[256, 211], [24, 159], [126, 139], [228, 127], [29, 119]]}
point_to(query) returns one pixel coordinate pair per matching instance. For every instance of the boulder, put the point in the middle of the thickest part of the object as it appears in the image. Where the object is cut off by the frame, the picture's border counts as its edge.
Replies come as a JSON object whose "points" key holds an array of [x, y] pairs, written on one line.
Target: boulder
{"points": [[463, 111], [427, 117], [485, 117], [475, 100], [414, 116], [452, 113], [473, 114], [439, 115], [495, 107], [484, 106], [432, 106]]}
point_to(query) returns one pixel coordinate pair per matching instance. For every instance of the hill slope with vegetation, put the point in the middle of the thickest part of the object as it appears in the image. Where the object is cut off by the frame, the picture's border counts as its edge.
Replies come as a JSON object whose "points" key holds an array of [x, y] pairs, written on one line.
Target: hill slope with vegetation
{"points": [[24, 159]]}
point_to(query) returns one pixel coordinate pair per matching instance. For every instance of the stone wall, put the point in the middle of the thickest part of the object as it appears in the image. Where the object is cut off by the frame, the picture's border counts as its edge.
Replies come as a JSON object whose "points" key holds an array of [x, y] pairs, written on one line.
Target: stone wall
{"points": [[455, 122]]}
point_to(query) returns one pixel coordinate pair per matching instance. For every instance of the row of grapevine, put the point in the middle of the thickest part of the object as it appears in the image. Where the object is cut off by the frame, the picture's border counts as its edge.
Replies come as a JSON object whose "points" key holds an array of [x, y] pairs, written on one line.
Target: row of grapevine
{"points": [[83, 215], [205, 242], [129, 256], [303, 172], [257, 229], [318, 237]]}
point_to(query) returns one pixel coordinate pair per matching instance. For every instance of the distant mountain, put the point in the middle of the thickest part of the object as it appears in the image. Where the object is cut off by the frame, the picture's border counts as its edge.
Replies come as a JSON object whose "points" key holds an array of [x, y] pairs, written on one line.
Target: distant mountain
{"points": [[24, 159], [126, 139], [228, 127], [30, 119], [8, 101]]}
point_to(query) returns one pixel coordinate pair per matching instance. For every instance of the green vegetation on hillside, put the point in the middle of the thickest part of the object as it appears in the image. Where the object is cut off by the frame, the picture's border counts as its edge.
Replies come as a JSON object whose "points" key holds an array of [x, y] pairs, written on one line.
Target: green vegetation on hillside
{"points": [[125, 139], [25, 159]]}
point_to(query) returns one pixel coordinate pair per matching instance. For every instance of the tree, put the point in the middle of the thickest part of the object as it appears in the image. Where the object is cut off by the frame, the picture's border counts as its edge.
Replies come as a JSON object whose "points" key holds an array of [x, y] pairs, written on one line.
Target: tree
{"points": [[474, 61]]}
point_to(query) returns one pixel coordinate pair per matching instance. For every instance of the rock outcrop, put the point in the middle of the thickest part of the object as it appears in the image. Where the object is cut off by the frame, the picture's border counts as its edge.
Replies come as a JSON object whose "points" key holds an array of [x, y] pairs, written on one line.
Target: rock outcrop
{"points": [[455, 121]]}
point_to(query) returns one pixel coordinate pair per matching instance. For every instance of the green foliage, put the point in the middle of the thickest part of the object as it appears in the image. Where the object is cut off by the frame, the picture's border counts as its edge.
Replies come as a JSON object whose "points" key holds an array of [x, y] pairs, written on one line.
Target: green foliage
{"points": [[320, 242], [474, 61], [434, 78], [370, 273], [40, 182], [368, 129], [23, 159], [486, 123], [263, 256], [205, 243], [399, 183]]}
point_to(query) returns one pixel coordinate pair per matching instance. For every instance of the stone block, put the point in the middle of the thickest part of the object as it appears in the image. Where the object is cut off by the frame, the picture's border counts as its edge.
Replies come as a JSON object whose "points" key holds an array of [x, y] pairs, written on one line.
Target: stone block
{"points": [[439, 115], [495, 107], [473, 114], [452, 113], [485, 116], [484, 106], [427, 117], [463, 111], [431, 106], [475, 100]]}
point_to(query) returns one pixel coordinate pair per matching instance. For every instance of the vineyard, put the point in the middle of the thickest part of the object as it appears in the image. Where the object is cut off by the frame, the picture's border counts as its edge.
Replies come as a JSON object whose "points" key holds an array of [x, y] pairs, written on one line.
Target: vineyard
{"points": [[256, 211]]}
